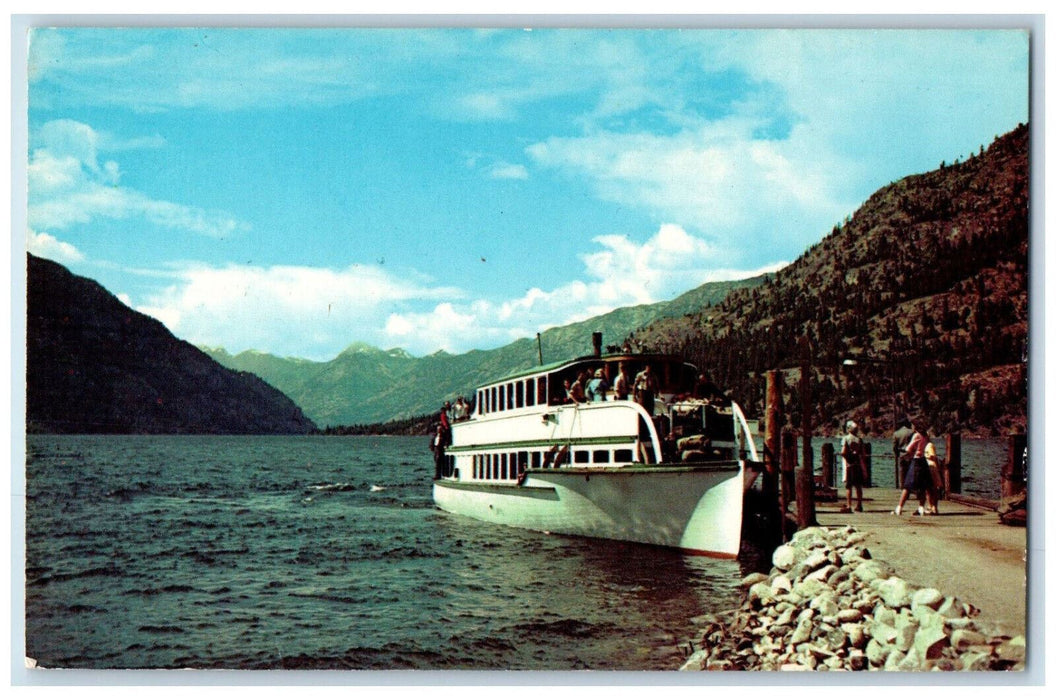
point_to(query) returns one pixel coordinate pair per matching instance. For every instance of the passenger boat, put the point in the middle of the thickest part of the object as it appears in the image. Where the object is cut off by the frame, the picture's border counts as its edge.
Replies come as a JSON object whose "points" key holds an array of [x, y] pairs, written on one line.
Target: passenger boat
{"points": [[673, 476]]}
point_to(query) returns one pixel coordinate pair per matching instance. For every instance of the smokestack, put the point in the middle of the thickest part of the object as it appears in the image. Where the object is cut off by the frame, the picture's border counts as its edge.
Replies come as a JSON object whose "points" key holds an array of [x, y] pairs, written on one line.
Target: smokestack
{"points": [[597, 344]]}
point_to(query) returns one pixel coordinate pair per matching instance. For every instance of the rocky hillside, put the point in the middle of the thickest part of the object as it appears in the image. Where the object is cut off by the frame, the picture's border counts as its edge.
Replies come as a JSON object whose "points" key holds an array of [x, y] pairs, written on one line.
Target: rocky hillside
{"points": [[96, 366], [367, 385], [925, 286]]}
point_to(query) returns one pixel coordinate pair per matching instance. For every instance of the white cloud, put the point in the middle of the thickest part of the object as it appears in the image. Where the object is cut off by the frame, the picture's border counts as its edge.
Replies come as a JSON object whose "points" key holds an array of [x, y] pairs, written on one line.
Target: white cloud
{"points": [[47, 246], [619, 273], [508, 171], [67, 186], [288, 310]]}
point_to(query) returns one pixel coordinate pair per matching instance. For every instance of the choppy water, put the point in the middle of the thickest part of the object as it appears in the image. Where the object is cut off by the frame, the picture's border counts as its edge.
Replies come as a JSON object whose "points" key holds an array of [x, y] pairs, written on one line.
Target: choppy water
{"points": [[323, 553]]}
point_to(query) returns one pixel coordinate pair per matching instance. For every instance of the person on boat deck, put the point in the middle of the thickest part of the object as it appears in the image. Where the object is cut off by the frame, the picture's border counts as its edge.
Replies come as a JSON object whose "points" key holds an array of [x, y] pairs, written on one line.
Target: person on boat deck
{"points": [[597, 386], [708, 390], [577, 392], [568, 392], [622, 384], [437, 445], [461, 409], [445, 424], [645, 387]]}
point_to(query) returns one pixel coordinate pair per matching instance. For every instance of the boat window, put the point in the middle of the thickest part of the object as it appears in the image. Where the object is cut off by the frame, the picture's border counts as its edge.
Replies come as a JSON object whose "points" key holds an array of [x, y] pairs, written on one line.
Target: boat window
{"points": [[522, 464], [505, 467], [540, 391], [601, 456], [581, 456], [623, 455], [509, 396], [537, 460], [520, 394], [529, 392], [494, 399]]}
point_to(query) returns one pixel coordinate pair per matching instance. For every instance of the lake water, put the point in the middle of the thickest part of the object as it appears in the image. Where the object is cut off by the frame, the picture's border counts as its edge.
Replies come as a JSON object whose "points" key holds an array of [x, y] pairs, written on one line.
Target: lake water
{"points": [[327, 553], [324, 553]]}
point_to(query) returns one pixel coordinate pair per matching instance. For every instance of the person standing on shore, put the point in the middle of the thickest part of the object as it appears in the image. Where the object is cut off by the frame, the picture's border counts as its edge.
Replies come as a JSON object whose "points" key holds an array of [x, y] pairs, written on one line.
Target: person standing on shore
{"points": [[899, 439], [852, 450], [918, 476]]}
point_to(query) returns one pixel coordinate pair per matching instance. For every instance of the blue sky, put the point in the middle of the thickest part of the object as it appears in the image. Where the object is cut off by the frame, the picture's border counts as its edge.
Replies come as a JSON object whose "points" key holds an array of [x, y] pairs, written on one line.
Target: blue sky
{"points": [[295, 191]]}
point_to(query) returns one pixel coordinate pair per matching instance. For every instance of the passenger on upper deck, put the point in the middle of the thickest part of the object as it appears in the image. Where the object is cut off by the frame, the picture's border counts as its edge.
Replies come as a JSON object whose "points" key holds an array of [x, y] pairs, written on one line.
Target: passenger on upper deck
{"points": [[645, 388], [577, 392], [622, 383], [597, 386], [709, 390], [461, 409]]}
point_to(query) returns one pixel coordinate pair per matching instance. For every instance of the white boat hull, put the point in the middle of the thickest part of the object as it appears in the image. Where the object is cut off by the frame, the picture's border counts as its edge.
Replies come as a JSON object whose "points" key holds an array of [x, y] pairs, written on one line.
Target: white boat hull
{"points": [[695, 508]]}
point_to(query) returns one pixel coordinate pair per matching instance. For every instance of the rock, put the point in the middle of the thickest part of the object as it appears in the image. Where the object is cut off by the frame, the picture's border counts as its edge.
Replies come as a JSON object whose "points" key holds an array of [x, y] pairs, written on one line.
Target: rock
{"points": [[822, 574], [883, 632], [754, 578], [961, 639], [927, 597], [895, 592], [930, 641], [975, 661], [912, 661], [696, 661], [760, 594], [784, 557], [904, 633], [780, 584], [893, 661], [802, 632], [1014, 650], [857, 660], [815, 560], [809, 589], [871, 570], [794, 667], [850, 615], [855, 634], [877, 652]]}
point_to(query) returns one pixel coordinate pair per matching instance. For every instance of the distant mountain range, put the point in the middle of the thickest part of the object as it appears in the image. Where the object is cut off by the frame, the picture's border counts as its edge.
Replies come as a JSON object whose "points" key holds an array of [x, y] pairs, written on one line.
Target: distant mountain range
{"points": [[924, 288], [365, 384], [96, 366]]}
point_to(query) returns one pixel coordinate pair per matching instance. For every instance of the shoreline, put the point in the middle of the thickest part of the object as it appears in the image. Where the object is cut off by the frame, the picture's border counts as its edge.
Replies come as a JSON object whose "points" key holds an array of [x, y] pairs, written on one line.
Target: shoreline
{"points": [[829, 605]]}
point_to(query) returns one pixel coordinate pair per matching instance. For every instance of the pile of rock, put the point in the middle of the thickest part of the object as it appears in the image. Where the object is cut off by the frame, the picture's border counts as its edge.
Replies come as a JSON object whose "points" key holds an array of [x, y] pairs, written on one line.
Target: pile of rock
{"points": [[828, 606]]}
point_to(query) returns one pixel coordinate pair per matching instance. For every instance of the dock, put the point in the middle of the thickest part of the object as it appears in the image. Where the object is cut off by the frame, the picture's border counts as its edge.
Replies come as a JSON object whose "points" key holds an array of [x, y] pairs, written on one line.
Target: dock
{"points": [[963, 551]]}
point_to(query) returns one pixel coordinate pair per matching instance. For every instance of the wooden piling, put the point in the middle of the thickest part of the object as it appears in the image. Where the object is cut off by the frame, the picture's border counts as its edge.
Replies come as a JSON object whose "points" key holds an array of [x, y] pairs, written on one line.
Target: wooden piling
{"points": [[953, 462], [1013, 473], [788, 477], [828, 465], [772, 452], [805, 515], [867, 478]]}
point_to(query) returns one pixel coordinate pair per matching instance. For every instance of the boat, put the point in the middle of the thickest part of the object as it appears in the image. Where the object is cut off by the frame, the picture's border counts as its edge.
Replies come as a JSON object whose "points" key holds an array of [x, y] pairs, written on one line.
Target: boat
{"points": [[668, 469]]}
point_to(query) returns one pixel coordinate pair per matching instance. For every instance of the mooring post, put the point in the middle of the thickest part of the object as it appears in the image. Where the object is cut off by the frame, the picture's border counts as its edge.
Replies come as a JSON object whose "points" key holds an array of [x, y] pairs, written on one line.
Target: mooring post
{"points": [[805, 515], [828, 464], [953, 462], [1013, 476], [867, 479], [788, 479], [772, 445]]}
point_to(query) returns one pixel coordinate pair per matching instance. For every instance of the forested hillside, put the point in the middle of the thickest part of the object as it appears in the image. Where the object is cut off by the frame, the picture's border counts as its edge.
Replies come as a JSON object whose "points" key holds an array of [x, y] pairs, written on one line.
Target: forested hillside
{"points": [[925, 286]]}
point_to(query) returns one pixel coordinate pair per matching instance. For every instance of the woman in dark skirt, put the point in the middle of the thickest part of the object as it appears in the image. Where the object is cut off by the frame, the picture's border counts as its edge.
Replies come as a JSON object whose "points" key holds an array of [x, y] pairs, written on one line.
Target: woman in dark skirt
{"points": [[918, 476]]}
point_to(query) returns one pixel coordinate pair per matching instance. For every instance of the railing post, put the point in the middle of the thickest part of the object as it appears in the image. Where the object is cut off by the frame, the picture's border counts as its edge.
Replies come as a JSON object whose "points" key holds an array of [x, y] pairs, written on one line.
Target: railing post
{"points": [[867, 478], [953, 462], [1013, 475], [828, 464]]}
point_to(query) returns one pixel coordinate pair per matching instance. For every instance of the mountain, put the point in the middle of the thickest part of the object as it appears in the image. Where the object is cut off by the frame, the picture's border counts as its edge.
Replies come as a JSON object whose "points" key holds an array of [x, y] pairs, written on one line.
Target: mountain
{"points": [[925, 287], [96, 366], [368, 385]]}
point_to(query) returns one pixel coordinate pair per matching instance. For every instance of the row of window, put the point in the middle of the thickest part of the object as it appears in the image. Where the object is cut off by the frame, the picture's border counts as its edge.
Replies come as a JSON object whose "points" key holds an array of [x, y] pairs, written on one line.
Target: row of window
{"points": [[517, 394], [507, 466]]}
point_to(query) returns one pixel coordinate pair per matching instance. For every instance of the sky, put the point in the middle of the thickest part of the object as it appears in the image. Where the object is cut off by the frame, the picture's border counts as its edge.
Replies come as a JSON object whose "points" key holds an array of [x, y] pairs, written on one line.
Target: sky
{"points": [[295, 191]]}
